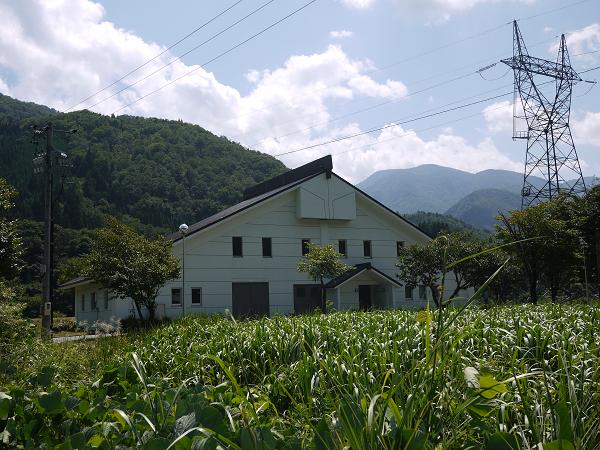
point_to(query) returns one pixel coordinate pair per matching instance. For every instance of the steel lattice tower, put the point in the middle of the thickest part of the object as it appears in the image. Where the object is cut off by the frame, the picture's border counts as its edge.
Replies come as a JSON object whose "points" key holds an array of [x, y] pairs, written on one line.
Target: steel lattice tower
{"points": [[545, 89]]}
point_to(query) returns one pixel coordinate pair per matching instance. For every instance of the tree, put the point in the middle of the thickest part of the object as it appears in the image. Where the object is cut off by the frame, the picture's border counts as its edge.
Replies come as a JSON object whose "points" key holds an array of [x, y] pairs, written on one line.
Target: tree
{"points": [[422, 264], [589, 225], [546, 242], [320, 263], [11, 249], [129, 264]]}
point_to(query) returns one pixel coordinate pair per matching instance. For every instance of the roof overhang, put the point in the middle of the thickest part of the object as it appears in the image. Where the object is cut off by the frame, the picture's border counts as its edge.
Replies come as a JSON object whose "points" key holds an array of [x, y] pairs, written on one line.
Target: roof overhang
{"points": [[358, 270], [75, 282]]}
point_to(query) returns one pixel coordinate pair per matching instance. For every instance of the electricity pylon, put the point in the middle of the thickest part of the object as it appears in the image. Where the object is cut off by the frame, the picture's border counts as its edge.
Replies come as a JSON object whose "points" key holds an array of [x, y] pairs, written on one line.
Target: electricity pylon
{"points": [[545, 89]]}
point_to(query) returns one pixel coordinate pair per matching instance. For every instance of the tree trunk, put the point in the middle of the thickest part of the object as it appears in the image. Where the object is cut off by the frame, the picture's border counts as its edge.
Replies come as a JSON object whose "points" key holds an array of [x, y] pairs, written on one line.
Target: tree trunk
{"points": [[435, 294], [139, 310], [151, 311], [533, 289], [323, 299]]}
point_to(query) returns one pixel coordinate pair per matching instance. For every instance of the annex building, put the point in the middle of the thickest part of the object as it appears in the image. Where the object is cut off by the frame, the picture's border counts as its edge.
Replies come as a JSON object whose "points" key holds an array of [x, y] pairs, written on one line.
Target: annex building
{"points": [[244, 258]]}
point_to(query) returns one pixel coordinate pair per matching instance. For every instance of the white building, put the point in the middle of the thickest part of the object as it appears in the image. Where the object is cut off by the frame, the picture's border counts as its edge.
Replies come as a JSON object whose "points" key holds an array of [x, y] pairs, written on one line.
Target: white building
{"points": [[244, 258]]}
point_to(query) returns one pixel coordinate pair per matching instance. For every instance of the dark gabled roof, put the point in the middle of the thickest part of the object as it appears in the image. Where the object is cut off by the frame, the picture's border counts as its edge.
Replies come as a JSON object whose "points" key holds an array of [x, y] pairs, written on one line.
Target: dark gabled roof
{"points": [[74, 282], [359, 268], [222, 215], [324, 164]]}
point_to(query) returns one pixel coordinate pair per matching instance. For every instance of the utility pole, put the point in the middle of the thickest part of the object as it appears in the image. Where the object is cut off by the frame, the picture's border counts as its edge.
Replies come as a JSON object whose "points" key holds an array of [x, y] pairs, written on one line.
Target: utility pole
{"points": [[48, 290], [47, 162]]}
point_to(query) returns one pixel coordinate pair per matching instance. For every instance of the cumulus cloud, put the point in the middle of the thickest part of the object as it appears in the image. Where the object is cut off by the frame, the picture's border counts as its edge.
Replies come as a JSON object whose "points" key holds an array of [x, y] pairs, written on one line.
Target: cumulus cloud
{"points": [[60, 52], [587, 130], [341, 34], [401, 148], [438, 11], [357, 4], [580, 42]]}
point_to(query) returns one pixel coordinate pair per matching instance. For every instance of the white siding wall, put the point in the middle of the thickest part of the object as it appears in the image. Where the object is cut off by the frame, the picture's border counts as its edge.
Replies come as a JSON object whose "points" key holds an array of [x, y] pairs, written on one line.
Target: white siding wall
{"points": [[209, 263]]}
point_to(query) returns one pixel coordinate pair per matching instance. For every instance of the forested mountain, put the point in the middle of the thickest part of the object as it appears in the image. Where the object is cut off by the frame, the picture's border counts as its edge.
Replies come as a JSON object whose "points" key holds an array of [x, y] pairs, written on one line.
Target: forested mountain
{"points": [[152, 173], [479, 208], [434, 188], [436, 223]]}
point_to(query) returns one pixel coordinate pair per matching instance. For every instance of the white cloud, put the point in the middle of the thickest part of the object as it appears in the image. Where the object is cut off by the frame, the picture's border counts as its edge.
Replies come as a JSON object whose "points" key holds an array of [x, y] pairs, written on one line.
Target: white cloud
{"points": [[548, 29], [81, 52], [499, 116], [439, 11], [399, 148], [340, 34], [586, 39], [357, 4], [587, 130]]}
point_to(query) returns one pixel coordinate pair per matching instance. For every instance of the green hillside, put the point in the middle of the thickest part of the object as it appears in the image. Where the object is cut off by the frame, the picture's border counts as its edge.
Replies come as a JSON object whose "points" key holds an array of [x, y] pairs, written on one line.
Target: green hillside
{"points": [[480, 208], [146, 171], [436, 223]]}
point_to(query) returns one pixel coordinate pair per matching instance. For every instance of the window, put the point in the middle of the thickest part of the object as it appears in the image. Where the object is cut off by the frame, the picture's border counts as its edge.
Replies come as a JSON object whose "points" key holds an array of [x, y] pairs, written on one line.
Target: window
{"points": [[93, 301], [266, 247], [422, 293], [367, 249], [399, 247], [83, 302], [408, 292], [342, 247], [237, 246], [305, 243], [197, 296], [106, 299], [176, 296]]}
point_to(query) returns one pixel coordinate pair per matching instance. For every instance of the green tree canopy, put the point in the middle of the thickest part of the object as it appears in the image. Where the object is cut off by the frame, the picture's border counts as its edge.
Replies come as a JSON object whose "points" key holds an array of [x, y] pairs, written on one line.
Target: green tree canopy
{"points": [[320, 263], [10, 242], [547, 242], [130, 265]]}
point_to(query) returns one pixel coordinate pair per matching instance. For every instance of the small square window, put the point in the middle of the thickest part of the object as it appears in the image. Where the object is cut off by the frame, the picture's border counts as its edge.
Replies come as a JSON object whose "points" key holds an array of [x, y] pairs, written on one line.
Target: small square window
{"points": [[422, 293], [367, 249], [237, 246], [83, 302], [93, 301], [408, 292], [197, 296], [267, 250], [305, 243], [176, 296], [399, 247], [106, 300], [342, 248]]}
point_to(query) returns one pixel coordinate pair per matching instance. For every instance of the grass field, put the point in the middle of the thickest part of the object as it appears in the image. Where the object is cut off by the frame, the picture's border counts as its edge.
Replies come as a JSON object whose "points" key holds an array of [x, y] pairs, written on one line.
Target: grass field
{"points": [[501, 378]]}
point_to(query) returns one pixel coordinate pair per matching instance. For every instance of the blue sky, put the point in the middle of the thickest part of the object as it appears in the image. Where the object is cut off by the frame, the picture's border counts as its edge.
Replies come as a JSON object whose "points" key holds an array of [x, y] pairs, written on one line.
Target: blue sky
{"points": [[285, 90]]}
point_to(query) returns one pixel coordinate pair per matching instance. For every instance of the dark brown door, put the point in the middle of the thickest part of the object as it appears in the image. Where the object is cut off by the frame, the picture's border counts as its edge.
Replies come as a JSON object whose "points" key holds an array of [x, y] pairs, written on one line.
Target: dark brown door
{"points": [[307, 297], [250, 299], [364, 297]]}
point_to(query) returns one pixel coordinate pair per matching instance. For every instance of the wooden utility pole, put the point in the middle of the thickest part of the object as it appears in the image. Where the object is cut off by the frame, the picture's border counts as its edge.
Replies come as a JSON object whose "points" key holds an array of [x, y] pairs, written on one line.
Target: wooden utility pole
{"points": [[46, 162]]}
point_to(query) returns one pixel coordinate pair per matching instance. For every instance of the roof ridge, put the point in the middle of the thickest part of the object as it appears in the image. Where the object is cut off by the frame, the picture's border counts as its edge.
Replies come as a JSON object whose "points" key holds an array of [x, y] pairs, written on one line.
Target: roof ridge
{"points": [[324, 164]]}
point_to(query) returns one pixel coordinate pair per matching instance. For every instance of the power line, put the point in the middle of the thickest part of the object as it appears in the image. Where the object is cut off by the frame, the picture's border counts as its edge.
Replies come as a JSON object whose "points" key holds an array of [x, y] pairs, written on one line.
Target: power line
{"points": [[389, 102], [264, 5], [395, 124], [369, 108], [414, 132], [191, 33], [255, 35]]}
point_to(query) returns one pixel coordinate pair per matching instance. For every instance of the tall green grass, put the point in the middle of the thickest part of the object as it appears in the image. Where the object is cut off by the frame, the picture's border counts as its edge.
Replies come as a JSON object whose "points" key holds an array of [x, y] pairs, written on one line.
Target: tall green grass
{"points": [[503, 377]]}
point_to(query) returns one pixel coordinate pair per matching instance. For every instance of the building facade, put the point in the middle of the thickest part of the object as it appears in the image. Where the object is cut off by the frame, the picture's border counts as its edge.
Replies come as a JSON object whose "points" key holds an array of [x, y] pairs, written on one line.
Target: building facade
{"points": [[244, 258]]}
